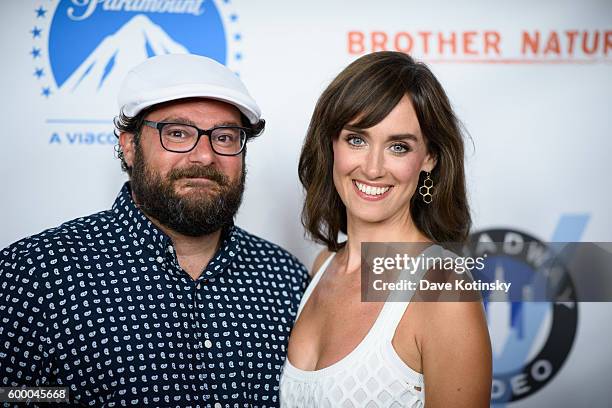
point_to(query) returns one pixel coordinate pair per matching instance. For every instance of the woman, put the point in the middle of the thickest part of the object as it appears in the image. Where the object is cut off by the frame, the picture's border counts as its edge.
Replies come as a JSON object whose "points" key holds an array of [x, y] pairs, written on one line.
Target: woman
{"points": [[380, 131]]}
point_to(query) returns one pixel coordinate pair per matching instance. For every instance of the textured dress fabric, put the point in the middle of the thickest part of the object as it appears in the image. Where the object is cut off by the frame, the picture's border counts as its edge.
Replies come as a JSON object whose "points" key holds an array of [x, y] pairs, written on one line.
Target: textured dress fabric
{"points": [[101, 305], [372, 375]]}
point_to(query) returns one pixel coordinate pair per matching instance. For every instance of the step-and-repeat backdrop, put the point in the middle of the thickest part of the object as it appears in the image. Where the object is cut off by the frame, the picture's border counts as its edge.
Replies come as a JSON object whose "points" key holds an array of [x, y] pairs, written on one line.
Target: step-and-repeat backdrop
{"points": [[531, 81]]}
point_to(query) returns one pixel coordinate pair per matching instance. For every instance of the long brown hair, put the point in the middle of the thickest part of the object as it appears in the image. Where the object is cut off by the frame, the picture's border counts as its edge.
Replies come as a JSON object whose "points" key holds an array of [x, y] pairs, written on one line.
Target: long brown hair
{"points": [[368, 89]]}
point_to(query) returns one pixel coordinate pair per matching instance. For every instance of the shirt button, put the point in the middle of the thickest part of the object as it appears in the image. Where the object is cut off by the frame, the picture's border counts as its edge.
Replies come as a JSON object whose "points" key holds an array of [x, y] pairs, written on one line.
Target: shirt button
{"points": [[218, 405], [160, 259], [208, 344]]}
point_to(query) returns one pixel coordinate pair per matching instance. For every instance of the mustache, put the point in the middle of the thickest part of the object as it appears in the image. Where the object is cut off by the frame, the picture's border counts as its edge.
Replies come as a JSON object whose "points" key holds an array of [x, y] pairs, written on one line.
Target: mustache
{"points": [[206, 172]]}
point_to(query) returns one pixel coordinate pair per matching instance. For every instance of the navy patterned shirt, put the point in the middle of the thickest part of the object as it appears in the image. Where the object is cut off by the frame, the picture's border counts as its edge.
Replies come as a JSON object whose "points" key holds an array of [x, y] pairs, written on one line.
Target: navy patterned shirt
{"points": [[101, 305]]}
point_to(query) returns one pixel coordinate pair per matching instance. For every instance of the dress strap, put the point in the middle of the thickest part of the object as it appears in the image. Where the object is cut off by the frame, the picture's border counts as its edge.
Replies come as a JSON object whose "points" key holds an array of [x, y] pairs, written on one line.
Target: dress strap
{"points": [[398, 302], [313, 283]]}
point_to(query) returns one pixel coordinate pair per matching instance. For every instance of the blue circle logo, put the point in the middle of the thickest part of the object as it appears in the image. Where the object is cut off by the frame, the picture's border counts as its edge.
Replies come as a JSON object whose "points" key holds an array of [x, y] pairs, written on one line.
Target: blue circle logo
{"points": [[93, 44], [531, 340]]}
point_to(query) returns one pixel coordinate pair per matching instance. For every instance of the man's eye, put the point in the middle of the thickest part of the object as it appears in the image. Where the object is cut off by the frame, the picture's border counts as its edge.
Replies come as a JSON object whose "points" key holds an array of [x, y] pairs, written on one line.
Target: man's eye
{"points": [[225, 138], [177, 134]]}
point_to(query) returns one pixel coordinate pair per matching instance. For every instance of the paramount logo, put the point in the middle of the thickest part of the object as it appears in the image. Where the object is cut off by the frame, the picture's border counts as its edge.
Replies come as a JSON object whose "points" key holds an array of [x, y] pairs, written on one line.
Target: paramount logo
{"points": [[87, 7], [103, 70]]}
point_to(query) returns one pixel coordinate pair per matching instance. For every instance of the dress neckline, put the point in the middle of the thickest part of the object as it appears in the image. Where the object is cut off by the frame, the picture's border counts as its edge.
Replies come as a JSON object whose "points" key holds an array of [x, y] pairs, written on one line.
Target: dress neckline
{"points": [[338, 365]]}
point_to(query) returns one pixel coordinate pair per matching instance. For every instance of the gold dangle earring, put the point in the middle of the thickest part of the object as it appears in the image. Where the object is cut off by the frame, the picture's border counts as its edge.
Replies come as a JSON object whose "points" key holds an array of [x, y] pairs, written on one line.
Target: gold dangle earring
{"points": [[426, 189]]}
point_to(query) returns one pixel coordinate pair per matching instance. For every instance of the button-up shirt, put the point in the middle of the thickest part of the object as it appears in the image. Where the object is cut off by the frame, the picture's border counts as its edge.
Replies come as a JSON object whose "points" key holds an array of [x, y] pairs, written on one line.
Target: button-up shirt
{"points": [[101, 305]]}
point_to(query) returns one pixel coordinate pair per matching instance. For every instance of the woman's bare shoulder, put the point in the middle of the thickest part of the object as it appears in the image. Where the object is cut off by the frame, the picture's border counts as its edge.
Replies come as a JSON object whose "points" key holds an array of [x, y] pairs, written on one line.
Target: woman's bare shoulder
{"points": [[456, 354], [318, 262]]}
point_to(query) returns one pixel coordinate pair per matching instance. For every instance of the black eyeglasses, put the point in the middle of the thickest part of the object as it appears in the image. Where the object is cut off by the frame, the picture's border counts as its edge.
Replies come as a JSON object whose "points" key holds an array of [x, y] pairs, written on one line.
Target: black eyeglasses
{"points": [[182, 138]]}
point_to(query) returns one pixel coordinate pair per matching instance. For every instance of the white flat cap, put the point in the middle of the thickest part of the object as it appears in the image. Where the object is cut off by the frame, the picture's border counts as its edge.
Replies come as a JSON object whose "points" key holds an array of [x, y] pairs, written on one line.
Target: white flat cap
{"points": [[176, 76]]}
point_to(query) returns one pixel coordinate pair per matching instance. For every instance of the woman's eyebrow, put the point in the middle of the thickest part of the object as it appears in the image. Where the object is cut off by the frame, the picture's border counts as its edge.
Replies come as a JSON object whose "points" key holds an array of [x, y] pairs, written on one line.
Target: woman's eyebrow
{"points": [[355, 129], [403, 136], [399, 136]]}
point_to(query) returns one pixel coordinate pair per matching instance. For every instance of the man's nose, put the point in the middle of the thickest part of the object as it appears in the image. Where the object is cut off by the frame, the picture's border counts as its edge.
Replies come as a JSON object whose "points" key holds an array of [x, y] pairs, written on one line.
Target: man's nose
{"points": [[202, 152]]}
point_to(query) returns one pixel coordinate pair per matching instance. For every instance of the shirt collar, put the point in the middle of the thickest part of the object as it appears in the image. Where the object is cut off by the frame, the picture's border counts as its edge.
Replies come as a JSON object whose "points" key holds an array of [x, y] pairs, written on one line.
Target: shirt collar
{"points": [[145, 234]]}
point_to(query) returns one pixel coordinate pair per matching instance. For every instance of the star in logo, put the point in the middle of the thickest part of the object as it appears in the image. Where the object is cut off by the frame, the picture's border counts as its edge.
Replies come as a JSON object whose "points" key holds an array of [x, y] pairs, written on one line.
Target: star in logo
{"points": [[35, 52], [39, 72], [46, 91], [40, 12], [36, 32]]}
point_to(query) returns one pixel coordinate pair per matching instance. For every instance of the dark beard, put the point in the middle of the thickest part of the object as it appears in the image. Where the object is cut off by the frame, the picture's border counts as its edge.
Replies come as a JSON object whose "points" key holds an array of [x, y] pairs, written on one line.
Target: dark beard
{"points": [[195, 213]]}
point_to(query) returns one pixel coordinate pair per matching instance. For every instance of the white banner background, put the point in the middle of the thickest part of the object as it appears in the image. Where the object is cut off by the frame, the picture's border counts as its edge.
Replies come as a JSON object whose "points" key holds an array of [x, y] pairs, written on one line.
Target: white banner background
{"points": [[541, 131]]}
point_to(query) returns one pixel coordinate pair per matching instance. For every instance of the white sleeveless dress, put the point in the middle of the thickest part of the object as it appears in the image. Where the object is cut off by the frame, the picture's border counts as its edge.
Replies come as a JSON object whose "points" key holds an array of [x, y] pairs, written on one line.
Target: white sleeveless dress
{"points": [[372, 375]]}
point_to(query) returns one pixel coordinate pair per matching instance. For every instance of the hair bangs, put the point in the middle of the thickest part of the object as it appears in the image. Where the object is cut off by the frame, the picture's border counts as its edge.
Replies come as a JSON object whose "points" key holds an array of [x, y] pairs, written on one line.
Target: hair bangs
{"points": [[373, 97]]}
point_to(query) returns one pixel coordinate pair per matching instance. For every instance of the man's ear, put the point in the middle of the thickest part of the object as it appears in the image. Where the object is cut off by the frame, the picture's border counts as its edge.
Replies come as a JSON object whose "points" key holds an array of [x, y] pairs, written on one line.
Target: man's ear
{"points": [[126, 141]]}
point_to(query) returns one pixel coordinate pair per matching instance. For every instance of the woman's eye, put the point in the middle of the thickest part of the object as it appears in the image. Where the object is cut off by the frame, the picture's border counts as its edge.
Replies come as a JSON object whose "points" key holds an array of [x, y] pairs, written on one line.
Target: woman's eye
{"points": [[399, 148], [355, 141]]}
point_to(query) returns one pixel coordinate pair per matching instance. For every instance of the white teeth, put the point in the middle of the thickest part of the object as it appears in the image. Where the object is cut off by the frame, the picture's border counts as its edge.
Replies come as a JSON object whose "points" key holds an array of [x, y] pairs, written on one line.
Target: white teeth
{"points": [[370, 190]]}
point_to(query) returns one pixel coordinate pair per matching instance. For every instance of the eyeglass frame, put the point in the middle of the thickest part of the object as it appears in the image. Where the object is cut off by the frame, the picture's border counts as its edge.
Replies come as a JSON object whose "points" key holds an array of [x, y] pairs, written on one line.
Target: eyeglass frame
{"points": [[208, 132]]}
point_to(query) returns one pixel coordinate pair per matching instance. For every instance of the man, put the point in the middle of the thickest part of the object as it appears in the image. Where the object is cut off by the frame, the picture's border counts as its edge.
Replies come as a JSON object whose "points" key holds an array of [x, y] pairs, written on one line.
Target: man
{"points": [[160, 301]]}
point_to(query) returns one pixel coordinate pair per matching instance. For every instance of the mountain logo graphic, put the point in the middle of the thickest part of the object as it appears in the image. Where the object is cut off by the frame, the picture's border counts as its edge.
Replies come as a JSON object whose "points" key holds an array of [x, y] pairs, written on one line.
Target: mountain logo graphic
{"points": [[530, 340], [111, 60]]}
